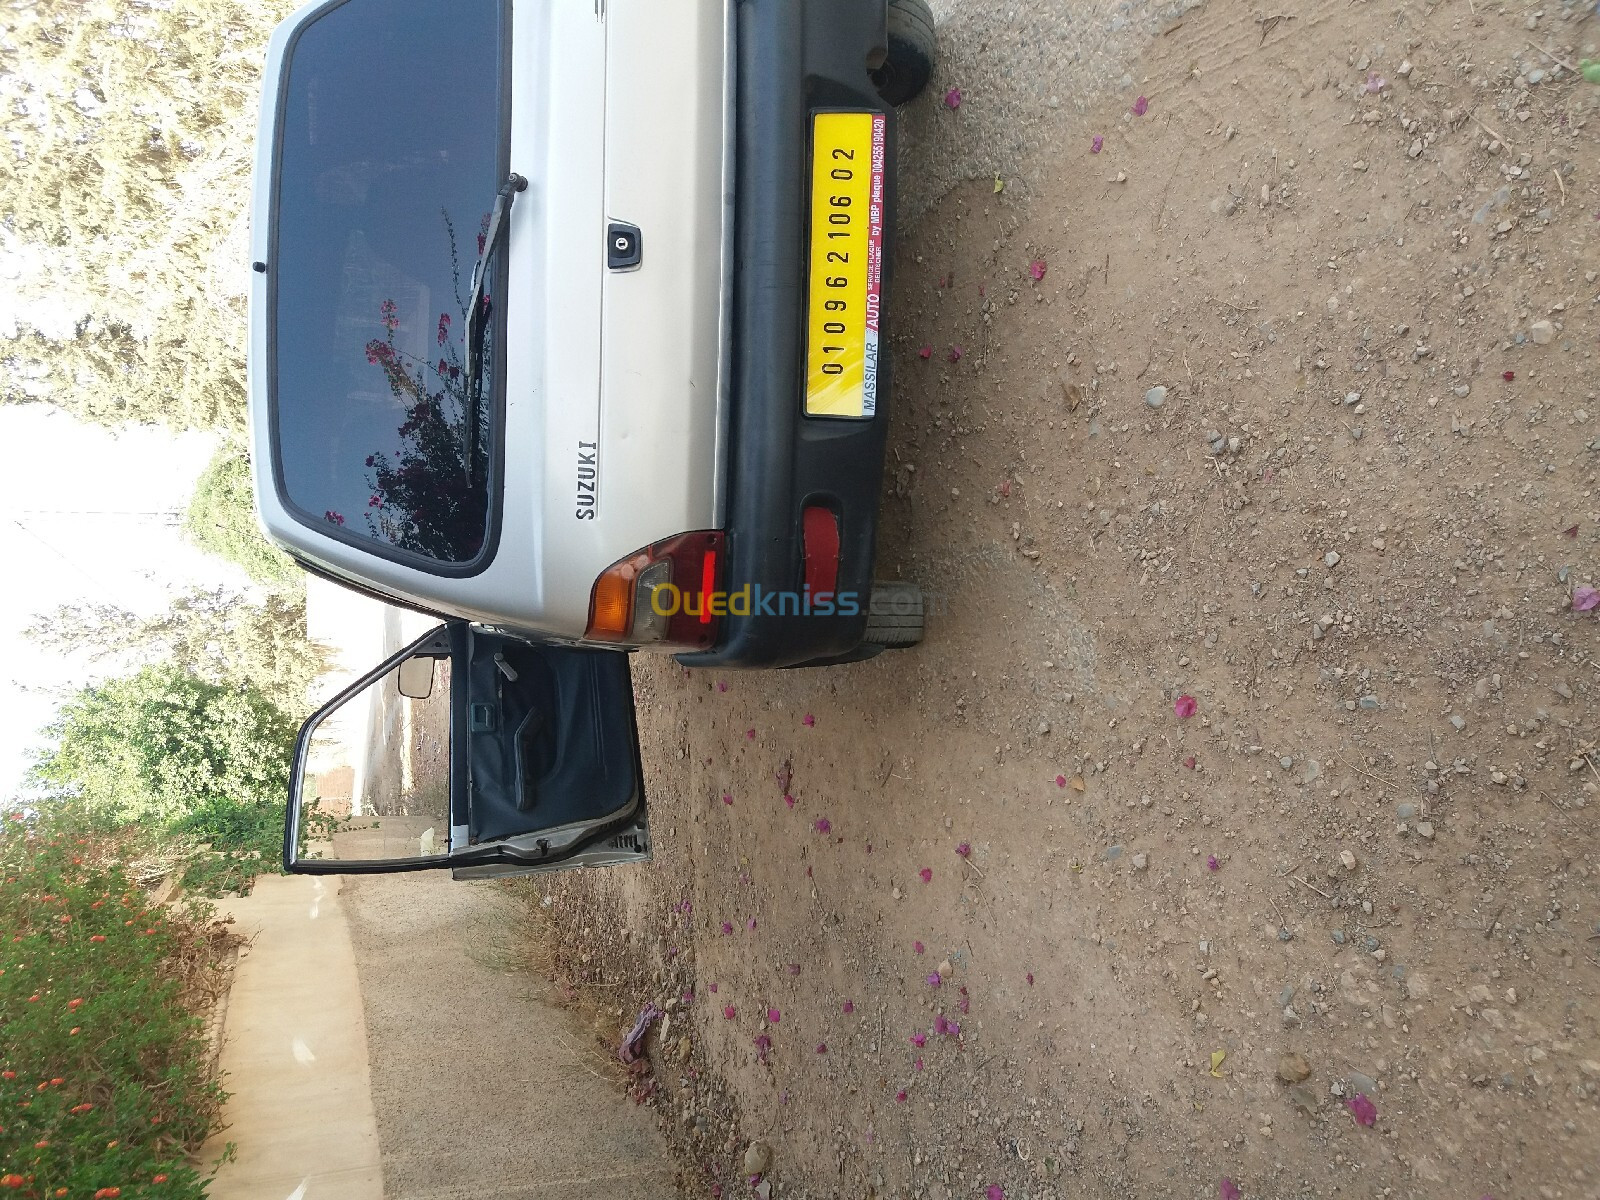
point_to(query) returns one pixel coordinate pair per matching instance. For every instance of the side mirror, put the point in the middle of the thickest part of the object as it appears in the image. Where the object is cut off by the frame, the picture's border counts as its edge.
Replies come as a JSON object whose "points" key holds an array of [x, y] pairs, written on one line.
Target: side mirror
{"points": [[416, 678]]}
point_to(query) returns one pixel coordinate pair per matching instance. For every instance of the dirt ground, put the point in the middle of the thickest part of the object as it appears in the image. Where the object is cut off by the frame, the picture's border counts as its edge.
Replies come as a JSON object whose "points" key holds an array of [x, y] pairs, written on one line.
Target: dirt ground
{"points": [[1300, 421]]}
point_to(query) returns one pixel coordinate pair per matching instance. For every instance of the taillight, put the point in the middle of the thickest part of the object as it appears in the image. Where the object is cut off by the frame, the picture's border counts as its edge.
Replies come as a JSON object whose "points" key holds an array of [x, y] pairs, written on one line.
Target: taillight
{"points": [[665, 593]]}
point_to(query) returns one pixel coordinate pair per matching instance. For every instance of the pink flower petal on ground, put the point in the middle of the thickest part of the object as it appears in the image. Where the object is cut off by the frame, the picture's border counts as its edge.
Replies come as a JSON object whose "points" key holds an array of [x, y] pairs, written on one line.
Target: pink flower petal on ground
{"points": [[964, 850], [941, 1025], [952, 98], [1585, 598], [1061, 781], [788, 799], [964, 1004], [1375, 83], [808, 720], [1037, 269], [1212, 863], [763, 1045], [1030, 978], [934, 979], [1228, 1189], [751, 734], [849, 1006], [955, 354], [919, 1040], [900, 1097], [751, 924], [927, 874], [917, 1066], [1364, 1110], [916, 947], [1190, 762], [822, 825], [994, 1192], [1140, 106], [713, 989], [729, 1012], [1185, 706], [925, 352], [773, 1016], [822, 1047], [727, 928], [722, 685], [793, 968], [1097, 145], [727, 799]]}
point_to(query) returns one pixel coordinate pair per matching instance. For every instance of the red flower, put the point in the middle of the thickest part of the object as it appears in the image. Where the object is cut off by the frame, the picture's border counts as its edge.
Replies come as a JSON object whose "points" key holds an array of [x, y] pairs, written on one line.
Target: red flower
{"points": [[927, 874], [81, 1109], [74, 1002], [8, 1074], [444, 328], [12, 1181], [99, 937], [1509, 376], [158, 1178], [110, 1193], [1185, 706]]}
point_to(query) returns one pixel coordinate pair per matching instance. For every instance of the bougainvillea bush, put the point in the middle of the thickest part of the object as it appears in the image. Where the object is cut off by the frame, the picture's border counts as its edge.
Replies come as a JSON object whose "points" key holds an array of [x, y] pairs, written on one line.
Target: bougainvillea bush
{"points": [[106, 1086]]}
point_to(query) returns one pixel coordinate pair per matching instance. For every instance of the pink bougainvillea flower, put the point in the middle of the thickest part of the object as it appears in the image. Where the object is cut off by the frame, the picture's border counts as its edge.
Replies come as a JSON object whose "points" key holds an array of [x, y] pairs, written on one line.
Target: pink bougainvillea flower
{"points": [[1375, 83], [994, 1192], [955, 354], [1061, 781], [727, 928], [1037, 269], [934, 979], [849, 1006], [941, 1025], [751, 734], [763, 1045], [925, 352], [1228, 1189], [1189, 762], [808, 720], [751, 924], [729, 1012], [1212, 863], [952, 98], [822, 825], [916, 947], [919, 1040], [964, 1003], [793, 968], [727, 798], [900, 1097], [1140, 106], [1363, 1110], [1097, 145], [1585, 598], [444, 328], [713, 989], [926, 874], [788, 799], [1508, 376], [1030, 978], [773, 1016], [964, 850], [822, 1047], [917, 1066], [722, 685], [1570, 531], [1185, 706]]}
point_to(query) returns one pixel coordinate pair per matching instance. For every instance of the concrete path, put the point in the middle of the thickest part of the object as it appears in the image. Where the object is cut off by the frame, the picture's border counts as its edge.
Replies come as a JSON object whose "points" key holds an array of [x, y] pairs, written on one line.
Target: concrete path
{"points": [[295, 1053], [380, 1042], [479, 1086]]}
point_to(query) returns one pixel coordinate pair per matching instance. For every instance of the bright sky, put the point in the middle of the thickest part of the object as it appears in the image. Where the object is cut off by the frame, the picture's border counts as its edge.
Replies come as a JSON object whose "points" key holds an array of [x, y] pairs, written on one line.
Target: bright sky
{"points": [[85, 515]]}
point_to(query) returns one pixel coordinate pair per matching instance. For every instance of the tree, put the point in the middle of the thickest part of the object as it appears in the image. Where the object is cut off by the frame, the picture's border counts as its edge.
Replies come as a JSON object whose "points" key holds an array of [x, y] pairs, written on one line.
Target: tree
{"points": [[222, 520], [162, 744], [126, 182], [216, 635]]}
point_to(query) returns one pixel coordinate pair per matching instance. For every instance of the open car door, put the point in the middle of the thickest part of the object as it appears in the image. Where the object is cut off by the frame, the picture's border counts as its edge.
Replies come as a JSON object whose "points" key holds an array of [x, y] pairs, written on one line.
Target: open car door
{"points": [[475, 751]]}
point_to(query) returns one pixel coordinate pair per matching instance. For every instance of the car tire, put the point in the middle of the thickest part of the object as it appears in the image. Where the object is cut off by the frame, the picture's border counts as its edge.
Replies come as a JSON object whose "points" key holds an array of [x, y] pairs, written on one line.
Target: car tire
{"points": [[894, 616], [909, 65]]}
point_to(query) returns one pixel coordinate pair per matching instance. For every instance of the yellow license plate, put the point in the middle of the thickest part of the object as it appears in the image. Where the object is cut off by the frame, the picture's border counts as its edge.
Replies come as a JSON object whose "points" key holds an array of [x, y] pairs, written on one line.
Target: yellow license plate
{"points": [[846, 264]]}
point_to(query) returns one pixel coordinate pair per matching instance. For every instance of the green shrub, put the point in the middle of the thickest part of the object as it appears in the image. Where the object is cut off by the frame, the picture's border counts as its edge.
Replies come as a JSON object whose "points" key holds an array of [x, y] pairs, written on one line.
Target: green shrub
{"points": [[222, 520], [105, 1081]]}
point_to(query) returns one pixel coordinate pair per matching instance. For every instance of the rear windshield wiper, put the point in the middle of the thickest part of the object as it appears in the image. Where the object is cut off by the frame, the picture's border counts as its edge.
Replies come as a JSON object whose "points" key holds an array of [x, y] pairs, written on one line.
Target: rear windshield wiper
{"points": [[478, 304]]}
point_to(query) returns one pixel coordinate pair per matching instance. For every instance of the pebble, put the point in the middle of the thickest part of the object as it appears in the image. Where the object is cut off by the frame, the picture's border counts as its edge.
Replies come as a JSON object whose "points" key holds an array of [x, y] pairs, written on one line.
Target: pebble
{"points": [[1542, 333], [1459, 722], [1113, 852], [1293, 1068], [1348, 859], [1405, 812], [1284, 935], [1286, 762], [1370, 701], [1331, 558], [1141, 861], [1352, 398], [1425, 829], [1361, 1083], [757, 1159], [1338, 937], [1156, 397]]}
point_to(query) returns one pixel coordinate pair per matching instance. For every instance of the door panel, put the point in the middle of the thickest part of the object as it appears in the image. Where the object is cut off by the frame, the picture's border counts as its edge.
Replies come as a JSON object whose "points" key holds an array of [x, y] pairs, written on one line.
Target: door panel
{"points": [[520, 757]]}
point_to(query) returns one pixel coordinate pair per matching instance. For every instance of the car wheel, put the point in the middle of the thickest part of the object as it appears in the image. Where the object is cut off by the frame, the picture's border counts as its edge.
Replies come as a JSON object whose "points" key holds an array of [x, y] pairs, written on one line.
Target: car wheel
{"points": [[909, 66], [895, 615]]}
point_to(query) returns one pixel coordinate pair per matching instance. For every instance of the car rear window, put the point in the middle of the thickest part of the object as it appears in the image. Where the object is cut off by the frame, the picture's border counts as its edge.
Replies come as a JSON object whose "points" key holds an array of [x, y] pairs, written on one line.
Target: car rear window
{"points": [[390, 150]]}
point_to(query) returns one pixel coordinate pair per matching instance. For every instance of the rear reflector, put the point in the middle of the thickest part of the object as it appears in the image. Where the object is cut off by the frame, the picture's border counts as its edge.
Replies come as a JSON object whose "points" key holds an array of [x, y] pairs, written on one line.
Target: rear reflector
{"points": [[820, 534], [662, 594]]}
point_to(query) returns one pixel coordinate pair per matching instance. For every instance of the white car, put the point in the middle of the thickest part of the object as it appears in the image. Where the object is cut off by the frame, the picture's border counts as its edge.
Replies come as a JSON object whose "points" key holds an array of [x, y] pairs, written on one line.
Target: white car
{"points": [[568, 325]]}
